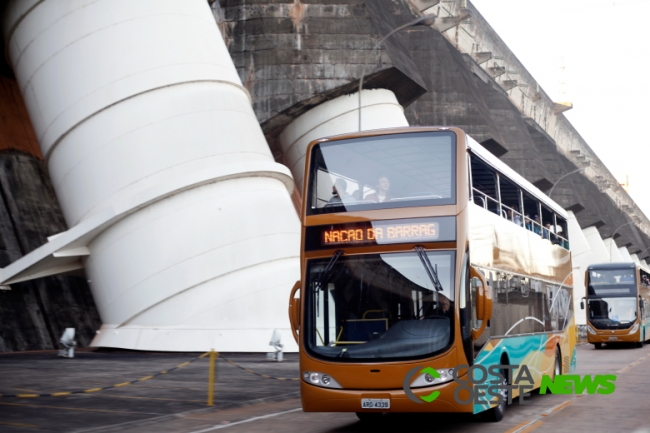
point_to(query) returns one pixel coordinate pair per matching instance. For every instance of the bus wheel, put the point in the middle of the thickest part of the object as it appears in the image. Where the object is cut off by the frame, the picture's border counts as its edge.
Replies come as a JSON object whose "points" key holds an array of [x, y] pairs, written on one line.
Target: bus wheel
{"points": [[598, 345], [369, 417], [496, 413], [639, 344], [557, 369]]}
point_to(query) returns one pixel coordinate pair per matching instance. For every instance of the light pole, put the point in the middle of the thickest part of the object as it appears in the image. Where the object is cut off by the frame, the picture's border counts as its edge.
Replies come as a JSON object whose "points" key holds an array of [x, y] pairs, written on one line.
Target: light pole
{"points": [[616, 231], [423, 20], [568, 174]]}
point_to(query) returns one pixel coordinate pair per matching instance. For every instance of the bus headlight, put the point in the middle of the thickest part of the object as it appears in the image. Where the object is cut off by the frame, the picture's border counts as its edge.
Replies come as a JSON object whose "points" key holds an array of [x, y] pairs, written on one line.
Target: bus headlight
{"points": [[634, 329], [320, 379], [426, 379], [591, 330]]}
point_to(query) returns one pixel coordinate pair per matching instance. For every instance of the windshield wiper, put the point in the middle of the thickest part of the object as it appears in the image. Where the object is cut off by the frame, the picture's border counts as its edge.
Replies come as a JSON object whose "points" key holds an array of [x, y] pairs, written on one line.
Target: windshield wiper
{"points": [[433, 275], [324, 276]]}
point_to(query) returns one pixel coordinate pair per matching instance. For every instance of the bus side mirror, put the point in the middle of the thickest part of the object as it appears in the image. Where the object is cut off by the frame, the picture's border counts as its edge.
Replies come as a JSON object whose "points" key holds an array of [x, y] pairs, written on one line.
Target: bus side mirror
{"points": [[294, 311], [483, 302]]}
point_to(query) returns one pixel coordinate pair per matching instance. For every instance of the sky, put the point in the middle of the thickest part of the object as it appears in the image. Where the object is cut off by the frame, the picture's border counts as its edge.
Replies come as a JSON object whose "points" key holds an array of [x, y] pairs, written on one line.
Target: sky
{"points": [[604, 48]]}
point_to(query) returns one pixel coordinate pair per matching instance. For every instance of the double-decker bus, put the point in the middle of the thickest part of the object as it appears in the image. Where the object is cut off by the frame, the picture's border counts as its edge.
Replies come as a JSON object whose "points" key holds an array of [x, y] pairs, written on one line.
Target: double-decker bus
{"points": [[422, 255], [618, 304]]}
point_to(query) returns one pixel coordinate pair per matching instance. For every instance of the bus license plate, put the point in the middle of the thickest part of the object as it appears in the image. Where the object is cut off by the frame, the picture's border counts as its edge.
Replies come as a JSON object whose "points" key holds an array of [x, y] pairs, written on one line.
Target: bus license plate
{"points": [[375, 403], [613, 338]]}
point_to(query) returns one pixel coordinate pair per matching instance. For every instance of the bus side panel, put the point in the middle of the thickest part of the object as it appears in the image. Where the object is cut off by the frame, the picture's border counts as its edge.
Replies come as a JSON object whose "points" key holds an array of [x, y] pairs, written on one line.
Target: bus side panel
{"points": [[497, 243], [537, 352]]}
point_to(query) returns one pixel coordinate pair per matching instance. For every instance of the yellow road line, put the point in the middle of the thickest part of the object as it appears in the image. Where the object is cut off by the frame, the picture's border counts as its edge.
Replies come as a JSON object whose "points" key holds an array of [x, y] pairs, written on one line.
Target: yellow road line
{"points": [[532, 427], [167, 387], [121, 384], [93, 389], [145, 378], [155, 398], [561, 406], [518, 426]]}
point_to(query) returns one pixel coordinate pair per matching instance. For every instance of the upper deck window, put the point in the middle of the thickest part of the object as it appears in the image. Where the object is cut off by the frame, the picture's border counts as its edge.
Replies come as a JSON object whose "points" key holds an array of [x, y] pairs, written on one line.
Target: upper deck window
{"points": [[388, 171], [612, 282]]}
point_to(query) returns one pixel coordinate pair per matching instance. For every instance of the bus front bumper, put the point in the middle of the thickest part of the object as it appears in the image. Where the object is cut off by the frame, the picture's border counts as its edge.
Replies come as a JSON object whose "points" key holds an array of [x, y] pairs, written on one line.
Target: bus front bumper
{"points": [[614, 336], [317, 399]]}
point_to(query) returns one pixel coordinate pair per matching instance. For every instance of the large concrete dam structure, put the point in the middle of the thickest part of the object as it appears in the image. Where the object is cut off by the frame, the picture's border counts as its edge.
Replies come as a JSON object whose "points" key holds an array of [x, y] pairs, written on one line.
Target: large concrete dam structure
{"points": [[154, 151]]}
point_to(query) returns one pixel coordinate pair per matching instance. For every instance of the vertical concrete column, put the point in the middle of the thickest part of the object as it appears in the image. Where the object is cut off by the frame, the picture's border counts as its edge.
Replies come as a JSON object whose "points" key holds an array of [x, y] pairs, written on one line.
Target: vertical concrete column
{"points": [[600, 253], [625, 254], [140, 99], [380, 109], [582, 257], [612, 250]]}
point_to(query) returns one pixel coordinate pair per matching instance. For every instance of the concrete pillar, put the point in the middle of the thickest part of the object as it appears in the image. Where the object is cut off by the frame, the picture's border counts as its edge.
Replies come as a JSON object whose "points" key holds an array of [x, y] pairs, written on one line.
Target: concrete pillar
{"points": [[612, 250], [582, 257], [635, 259], [140, 113], [380, 109], [600, 253], [625, 255]]}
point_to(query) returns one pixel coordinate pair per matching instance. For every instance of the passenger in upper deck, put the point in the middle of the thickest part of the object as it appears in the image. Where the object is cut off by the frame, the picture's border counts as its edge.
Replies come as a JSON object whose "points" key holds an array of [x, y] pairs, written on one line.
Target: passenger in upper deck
{"points": [[513, 215], [529, 223], [383, 191], [537, 228]]}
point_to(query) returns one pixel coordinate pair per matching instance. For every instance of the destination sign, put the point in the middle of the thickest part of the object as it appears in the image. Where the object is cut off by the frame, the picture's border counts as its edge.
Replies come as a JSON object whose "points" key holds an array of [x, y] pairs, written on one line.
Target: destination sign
{"points": [[398, 232], [381, 232]]}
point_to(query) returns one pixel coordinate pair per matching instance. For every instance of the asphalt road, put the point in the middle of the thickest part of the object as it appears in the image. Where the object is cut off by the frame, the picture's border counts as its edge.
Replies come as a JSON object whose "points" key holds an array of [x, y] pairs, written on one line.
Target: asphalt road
{"points": [[176, 402]]}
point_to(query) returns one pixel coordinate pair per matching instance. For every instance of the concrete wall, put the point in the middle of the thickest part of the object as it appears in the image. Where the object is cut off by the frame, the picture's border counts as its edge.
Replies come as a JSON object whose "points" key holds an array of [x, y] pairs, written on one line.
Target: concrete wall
{"points": [[179, 214]]}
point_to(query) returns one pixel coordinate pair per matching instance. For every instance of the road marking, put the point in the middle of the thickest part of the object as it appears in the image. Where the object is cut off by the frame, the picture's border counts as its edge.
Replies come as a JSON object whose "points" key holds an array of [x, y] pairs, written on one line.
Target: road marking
{"points": [[155, 398], [532, 427], [632, 364], [561, 406], [255, 418], [527, 426], [518, 426]]}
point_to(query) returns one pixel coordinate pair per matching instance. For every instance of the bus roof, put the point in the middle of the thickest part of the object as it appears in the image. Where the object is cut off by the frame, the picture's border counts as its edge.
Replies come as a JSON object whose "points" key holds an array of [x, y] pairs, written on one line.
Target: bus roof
{"points": [[619, 265], [495, 162]]}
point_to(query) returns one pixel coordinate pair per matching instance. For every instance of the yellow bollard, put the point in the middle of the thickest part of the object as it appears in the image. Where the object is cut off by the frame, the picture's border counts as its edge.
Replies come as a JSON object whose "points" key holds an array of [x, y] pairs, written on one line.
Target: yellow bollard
{"points": [[213, 359]]}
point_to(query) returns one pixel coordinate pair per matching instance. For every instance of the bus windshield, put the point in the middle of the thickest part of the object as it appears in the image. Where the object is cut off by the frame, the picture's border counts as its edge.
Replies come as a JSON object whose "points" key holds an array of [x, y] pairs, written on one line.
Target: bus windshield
{"points": [[608, 313], [612, 282], [380, 306], [389, 171]]}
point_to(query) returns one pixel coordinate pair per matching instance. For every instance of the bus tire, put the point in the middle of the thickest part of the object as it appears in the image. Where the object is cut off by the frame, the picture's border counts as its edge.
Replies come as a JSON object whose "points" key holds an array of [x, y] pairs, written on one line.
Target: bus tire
{"points": [[496, 413], [639, 344], [557, 368], [598, 345], [369, 417]]}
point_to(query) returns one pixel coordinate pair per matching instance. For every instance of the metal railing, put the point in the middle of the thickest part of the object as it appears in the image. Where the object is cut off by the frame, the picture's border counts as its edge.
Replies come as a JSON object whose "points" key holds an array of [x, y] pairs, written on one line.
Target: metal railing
{"points": [[488, 203]]}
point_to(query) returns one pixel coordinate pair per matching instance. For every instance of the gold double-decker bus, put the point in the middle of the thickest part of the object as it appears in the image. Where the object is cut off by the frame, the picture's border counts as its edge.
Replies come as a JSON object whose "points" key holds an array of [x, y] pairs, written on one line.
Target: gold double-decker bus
{"points": [[423, 257], [618, 304]]}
